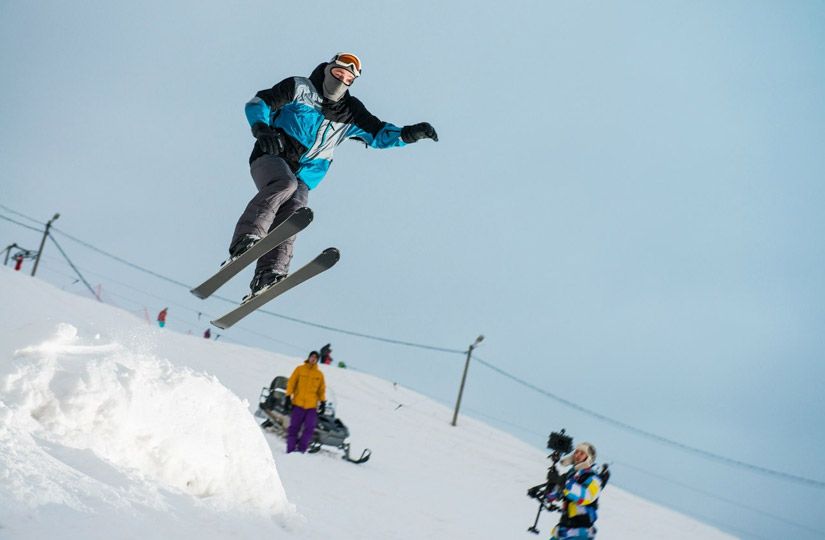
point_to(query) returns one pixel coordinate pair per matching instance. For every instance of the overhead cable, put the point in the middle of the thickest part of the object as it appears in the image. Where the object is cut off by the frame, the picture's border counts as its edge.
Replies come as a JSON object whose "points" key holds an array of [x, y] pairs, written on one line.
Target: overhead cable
{"points": [[21, 224], [20, 214], [658, 438], [271, 313], [723, 499]]}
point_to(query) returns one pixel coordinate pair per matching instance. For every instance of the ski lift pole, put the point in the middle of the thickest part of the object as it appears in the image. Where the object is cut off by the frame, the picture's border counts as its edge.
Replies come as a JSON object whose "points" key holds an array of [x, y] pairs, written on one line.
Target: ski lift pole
{"points": [[8, 252], [43, 242], [478, 340]]}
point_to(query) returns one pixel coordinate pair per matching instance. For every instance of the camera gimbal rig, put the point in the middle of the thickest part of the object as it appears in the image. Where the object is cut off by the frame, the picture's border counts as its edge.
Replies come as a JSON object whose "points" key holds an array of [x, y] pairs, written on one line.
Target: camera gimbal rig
{"points": [[560, 444]]}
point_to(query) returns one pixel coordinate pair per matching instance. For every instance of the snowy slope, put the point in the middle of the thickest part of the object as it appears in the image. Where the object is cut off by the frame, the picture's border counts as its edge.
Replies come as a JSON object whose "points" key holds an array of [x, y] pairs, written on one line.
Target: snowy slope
{"points": [[110, 427]]}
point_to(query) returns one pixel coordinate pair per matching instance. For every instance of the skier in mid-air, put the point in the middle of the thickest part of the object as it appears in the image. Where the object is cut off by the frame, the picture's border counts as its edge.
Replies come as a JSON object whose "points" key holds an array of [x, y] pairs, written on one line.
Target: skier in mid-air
{"points": [[297, 124]]}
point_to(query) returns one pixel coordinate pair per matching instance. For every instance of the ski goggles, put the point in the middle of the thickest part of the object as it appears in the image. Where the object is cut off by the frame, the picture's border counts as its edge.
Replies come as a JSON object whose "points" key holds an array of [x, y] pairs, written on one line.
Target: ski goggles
{"points": [[349, 61]]}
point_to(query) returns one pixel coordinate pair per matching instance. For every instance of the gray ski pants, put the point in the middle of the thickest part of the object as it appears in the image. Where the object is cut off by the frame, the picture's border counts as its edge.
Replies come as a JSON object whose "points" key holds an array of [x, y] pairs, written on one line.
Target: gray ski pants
{"points": [[279, 194]]}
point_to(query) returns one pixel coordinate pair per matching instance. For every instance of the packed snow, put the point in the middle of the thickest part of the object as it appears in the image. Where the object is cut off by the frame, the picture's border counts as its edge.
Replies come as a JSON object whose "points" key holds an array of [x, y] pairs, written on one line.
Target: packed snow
{"points": [[112, 427]]}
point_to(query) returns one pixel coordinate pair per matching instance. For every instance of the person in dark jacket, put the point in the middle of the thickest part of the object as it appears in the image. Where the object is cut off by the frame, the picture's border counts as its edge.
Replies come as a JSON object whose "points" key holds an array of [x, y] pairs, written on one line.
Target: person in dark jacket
{"points": [[297, 124], [326, 357]]}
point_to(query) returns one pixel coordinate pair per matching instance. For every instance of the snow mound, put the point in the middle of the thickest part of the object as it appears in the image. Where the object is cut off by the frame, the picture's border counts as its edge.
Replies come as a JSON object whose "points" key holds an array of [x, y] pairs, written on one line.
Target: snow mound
{"points": [[152, 422]]}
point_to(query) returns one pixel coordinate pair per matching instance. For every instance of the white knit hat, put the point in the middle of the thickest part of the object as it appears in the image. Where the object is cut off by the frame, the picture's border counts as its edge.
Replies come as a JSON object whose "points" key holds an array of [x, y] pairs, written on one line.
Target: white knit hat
{"points": [[588, 449]]}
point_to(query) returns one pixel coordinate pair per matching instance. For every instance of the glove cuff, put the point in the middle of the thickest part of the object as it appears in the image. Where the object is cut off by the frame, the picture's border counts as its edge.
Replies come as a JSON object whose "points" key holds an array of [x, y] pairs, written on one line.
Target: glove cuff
{"points": [[259, 128], [406, 135]]}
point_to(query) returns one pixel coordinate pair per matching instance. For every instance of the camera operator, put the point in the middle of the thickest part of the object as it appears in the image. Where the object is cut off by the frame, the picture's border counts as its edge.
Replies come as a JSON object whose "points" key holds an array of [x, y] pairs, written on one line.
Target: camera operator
{"points": [[578, 495]]}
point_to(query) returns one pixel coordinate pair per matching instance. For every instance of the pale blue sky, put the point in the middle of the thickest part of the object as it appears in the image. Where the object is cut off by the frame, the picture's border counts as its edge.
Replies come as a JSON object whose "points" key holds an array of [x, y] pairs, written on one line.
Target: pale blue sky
{"points": [[626, 200]]}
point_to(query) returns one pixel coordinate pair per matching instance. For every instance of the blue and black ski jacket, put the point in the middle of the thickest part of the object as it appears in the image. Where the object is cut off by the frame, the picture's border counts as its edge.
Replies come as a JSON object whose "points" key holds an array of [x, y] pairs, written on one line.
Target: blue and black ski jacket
{"points": [[313, 126]]}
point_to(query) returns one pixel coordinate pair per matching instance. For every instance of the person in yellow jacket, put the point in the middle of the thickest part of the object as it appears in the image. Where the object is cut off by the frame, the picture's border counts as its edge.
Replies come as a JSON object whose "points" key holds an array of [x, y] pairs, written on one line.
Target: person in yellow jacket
{"points": [[306, 389]]}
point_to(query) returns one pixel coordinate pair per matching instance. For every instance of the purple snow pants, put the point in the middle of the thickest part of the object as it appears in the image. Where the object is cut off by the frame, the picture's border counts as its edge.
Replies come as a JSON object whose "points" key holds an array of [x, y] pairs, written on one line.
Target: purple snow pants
{"points": [[306, 418]]}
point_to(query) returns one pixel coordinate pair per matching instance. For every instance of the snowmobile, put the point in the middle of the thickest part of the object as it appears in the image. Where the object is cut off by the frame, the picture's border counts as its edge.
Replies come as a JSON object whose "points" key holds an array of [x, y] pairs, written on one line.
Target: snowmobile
{"points": [[330, 431]]}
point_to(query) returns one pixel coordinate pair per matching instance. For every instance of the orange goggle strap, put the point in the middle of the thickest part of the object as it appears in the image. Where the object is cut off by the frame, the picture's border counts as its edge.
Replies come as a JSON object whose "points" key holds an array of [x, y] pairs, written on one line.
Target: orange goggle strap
{"points": [[348, 60]]}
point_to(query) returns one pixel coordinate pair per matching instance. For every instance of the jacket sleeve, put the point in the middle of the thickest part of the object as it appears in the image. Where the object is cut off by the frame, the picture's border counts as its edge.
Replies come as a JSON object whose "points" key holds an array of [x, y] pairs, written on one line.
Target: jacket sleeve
{"points": [[372, 131], [260, 107], [293, 380], [582, 494], [553, 494], [322, 389]]}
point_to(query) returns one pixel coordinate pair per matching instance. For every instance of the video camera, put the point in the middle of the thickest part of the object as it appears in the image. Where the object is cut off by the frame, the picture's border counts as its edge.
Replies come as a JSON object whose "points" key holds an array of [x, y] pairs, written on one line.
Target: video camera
{"points": [[559, 442]]}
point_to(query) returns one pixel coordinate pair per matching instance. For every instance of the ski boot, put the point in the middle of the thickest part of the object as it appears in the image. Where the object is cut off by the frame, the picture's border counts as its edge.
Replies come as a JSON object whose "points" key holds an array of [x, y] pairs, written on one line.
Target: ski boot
{"points": [[243, 243], [263, 280]]}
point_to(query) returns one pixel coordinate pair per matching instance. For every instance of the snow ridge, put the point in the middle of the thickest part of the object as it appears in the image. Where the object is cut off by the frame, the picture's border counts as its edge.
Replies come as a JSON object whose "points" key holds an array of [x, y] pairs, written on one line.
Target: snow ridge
{"points": [[149, 421]]}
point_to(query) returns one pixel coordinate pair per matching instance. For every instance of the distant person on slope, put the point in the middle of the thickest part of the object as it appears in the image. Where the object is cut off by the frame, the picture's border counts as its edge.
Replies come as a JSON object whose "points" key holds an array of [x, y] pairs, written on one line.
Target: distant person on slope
{"points": [[306, 389], [578, 496], [162, 317], [326, 357], [297, 124]]}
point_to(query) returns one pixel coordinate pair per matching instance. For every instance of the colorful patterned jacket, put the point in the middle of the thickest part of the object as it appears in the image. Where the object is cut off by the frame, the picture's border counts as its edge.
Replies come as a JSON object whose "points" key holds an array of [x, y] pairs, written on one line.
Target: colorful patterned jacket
{"points": [[579, 500]]}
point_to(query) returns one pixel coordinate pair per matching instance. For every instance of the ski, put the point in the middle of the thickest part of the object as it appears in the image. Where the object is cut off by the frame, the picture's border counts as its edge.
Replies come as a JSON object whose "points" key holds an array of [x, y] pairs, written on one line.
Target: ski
{"points": [[295, 223], [321, 263]]}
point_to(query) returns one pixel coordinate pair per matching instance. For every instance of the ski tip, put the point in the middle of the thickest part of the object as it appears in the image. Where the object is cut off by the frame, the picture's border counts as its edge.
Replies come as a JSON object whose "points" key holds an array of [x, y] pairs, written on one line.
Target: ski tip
{"points": [[331, 253], [197, 293], [220, 325], [305, 213]]}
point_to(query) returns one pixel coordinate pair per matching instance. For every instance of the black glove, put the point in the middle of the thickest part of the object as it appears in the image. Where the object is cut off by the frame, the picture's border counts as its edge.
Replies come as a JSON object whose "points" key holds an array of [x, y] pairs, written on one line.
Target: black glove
{"points": [[287, 403], [537, 492], [416, 132], [322, 407], [269, 140], [554, 478]]}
